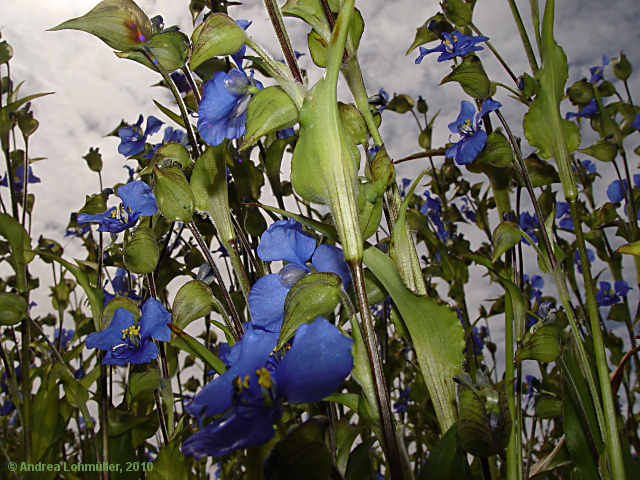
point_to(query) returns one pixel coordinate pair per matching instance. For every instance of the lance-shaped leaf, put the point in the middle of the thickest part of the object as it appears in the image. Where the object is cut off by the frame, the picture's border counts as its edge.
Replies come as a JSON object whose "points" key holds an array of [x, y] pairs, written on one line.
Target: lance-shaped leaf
{"points": [[323, 169], [436, 334], [602, 150], [630, 248], [505, 236], [20, 245], [430, 31], [186, 342], [169, 49], [121, 24], [142, 252], [315, 295], [194, 300], [496, 152], [217, 35], [471, 77], [269, 110], [13, 308], [543, 125], [209, 187]]}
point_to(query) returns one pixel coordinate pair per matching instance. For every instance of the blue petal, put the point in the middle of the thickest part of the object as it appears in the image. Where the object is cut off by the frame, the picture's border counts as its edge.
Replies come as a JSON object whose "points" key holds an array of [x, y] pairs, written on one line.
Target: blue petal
{"points": [[112, 335], [139, 197], [621, 287], [489, 105], [427, 51], [241, 428], [254, 349], [266, 302], [153, 125], [285, 240], [215, 107], [470, 147], [144, 354], [329, 258], [317, 364], [615, 191], [636, 122], [86, 218], [467, 112], [154, 322]]}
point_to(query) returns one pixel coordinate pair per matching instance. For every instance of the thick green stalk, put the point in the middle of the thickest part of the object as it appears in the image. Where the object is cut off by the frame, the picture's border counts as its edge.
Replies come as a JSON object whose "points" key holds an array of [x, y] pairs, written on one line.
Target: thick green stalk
{"points": [[612, 440], [523, 35]]}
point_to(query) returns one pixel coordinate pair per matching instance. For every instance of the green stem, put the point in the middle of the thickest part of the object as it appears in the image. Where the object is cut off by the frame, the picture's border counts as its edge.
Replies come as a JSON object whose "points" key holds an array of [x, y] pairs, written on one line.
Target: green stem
{"points": [[390, 445], [514, 447], [612, 440], [238, 267], [163, 424], [535, 20], [523, 35]]}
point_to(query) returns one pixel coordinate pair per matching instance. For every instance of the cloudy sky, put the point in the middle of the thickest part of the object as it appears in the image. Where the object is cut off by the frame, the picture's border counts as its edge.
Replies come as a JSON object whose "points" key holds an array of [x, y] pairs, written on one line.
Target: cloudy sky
{"points": [[94, 90]]}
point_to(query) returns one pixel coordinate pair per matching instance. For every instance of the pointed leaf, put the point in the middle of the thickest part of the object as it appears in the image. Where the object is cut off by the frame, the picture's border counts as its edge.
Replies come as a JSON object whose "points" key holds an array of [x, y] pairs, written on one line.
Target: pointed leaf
{"points": [[194, 300]]}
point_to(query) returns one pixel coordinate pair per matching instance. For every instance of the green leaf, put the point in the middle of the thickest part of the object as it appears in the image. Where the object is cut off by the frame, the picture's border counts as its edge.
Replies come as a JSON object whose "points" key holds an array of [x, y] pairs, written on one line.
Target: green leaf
{"points": [[269, 110], [186, 342], [543, 125], [121, 24], [173, 152], [141, 252], [194, 300], [602, 150], [219, 34], [169, 113], [459, 11], [472, 78], [585, 465], [353, 123], [143, 382], [446, 460], [6, 52], [210, 190], [436, 334], [548, 407], [13, 308], [505, 236], [169, 49], [497, 151], [400, 103], [170, 464], [630, 248], [541, 343], [542, 173], [312, 296], [317, 48], [621, 67]]}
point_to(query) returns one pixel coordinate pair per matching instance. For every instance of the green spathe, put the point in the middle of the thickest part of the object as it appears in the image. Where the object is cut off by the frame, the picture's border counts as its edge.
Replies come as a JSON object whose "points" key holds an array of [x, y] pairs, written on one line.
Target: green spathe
{"points": [[121, 24], [270, 109], [141, 252], [194, 300], [168, 48], [217, 35], [173, 194]]}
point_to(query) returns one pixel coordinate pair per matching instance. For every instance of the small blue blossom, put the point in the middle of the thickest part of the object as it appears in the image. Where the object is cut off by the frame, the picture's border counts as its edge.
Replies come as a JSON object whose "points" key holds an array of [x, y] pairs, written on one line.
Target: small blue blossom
{"points": [[636, 122], [18, 178], [239, 55], [132, 140], [380, 100], [530, 382], [534, 284], [79, 374], [591, 257], [137, 200], [564, 216], [453, 45], [181, 82], [223, 109], [128, 342], [402, 405], [589, 166], [285, 133], [171, 135], [468, 126], [130, 172], [606, 296], [587, 111], [616, 190], [78, 231], [597, 71], [7, 407], [432, 209], [477, 338], [405, 184], [67, 336], [529, 223], [467, 211], [120, 284]]}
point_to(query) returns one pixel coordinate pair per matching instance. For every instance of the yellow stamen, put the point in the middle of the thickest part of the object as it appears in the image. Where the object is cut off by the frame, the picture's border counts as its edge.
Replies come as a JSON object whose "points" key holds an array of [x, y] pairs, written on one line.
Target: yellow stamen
{"points": [[264, 378]]}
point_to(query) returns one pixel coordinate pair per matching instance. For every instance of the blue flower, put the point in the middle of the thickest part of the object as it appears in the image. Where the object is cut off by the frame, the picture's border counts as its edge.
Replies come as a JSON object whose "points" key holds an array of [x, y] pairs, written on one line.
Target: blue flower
{"points": [[250, 393], [79, 374], [7, 407], [606, 296], [636, 123], [453, 44], [132, 140], [78, 231], [18, 178], [616, 190], [529, 223], [432, 208], [137, 200], [128, 342], [405, 184], [402, 405], [596, 72], [588, 111], [120, 284], [380, 100], [285, 133], [239, 55], [468, 126], [171, 135], [591, 257], [589, 166], [181, 82], [223, 109], [467, 211], [285, 240], [67, 336], [564, 216], [477, 337]]}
